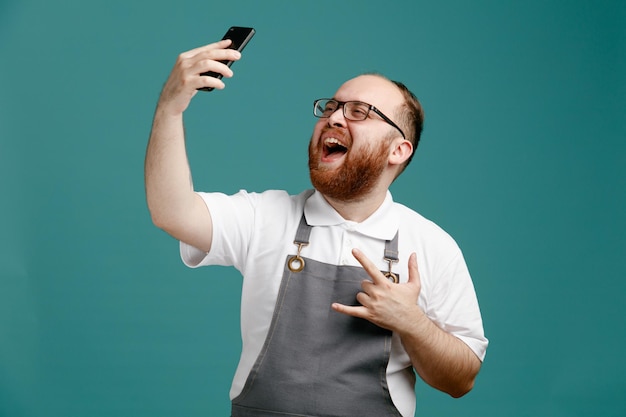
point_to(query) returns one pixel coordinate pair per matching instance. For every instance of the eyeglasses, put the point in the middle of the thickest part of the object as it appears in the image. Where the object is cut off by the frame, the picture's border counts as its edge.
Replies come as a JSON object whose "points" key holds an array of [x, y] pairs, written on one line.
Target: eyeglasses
{"points": [[352, 110]]}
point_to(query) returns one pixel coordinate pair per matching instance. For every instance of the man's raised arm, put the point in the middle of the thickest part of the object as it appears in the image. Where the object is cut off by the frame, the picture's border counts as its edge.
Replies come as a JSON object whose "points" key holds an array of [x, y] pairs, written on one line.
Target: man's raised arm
{"points": [[173, 204]]}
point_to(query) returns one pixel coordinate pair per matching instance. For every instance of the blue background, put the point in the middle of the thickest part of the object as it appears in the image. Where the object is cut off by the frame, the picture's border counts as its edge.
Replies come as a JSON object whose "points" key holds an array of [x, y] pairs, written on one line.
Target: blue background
{"points": [[523, 161]]}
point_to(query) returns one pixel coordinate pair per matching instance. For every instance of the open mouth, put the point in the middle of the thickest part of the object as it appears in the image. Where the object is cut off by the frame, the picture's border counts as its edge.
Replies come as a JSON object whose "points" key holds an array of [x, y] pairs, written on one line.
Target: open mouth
{"points": [[333, 150]]}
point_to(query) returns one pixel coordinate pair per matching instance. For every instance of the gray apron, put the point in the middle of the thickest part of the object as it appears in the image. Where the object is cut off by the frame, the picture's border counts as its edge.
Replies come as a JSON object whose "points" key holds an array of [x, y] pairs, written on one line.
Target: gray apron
{"points": [[316, 361]]}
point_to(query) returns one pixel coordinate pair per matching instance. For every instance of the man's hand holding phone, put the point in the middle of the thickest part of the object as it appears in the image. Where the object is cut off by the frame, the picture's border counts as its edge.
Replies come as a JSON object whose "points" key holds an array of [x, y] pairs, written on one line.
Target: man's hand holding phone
{"points": [[186, 77], [203, 69], [240, 36]]}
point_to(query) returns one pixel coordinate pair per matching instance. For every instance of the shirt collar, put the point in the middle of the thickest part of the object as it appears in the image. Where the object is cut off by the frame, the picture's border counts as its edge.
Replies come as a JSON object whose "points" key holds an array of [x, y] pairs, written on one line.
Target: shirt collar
{"points": [[382, 224]]}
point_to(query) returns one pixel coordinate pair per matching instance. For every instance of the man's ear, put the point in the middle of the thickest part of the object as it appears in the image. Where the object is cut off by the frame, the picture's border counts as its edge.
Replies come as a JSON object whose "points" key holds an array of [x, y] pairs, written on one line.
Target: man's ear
{"points": [[400, 152]]}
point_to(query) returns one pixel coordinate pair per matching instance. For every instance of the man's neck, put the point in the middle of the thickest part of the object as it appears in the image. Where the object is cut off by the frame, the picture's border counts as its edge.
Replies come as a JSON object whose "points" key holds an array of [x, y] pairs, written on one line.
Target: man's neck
{"points": [[360, 209]]}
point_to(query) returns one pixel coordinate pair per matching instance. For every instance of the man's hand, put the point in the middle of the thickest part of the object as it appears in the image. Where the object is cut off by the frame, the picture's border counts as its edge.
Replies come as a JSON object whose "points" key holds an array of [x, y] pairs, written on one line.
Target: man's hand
{"points": [[383, 302], [441, 359], [185, 78]]}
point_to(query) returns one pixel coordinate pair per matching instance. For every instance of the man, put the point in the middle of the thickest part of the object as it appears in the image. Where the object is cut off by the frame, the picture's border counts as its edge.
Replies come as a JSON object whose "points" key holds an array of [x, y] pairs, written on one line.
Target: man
{"points": [[345, 292]]}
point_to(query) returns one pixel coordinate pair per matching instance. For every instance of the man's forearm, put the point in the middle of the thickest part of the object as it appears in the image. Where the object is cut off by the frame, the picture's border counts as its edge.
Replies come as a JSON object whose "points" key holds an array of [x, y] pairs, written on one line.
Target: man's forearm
{"points": [[442, 360], [167, 173]]}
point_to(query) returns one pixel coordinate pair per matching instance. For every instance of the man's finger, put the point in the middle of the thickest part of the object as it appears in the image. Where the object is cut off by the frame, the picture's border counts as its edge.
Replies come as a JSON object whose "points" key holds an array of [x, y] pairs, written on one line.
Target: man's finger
{"points": [[354, 311], [223, 44], [369, 267], [414, 274]]}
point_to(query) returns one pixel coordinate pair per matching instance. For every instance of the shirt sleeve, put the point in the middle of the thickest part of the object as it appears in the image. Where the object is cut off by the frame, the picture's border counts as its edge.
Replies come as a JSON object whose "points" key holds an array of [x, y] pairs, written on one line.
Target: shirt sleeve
{"points": [[453, 305], [233, 220]]}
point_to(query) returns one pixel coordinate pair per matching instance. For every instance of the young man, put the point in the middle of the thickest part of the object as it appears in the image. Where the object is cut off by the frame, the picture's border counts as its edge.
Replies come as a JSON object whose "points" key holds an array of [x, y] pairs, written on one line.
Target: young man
{"points": [[345, 292]]}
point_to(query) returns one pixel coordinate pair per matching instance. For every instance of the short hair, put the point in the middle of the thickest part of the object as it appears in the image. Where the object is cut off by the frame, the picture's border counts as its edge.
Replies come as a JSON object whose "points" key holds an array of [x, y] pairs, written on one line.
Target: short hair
{"points": [[410, 116]]}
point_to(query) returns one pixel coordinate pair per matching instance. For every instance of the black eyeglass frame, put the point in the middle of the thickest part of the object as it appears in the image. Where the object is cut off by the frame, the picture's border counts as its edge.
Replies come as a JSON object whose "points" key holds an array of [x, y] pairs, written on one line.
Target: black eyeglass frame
{"points": [[369, 108]]}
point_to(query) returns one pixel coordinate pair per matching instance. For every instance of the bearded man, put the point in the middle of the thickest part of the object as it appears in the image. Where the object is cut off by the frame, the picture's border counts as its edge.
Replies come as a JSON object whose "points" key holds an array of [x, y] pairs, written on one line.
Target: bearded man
{"points": [[346, 295]]}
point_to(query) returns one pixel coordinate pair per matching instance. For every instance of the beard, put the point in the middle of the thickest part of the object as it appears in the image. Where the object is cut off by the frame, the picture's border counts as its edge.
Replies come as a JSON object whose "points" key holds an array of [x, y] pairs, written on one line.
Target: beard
{"points": [[355, 177]]}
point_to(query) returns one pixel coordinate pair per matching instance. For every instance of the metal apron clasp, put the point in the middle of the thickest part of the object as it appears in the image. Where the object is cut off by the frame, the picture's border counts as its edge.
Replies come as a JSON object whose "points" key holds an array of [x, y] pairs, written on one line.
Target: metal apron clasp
{"points": [[390, 275], [296, 262]]}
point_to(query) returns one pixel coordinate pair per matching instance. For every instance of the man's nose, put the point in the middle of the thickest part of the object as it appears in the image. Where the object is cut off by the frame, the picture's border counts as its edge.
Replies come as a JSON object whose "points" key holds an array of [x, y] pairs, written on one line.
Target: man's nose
{"points": [[337, 118]]}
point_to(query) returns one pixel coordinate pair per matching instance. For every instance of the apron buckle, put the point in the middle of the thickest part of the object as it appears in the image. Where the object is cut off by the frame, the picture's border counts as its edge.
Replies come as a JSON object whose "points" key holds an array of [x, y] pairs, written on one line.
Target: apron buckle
{"points": [[296, 262], [390, 275]]}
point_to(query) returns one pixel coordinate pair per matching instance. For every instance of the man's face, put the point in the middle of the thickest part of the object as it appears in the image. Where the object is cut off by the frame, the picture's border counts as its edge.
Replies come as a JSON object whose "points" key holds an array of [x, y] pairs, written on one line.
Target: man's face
{"points": [[347, 158]]}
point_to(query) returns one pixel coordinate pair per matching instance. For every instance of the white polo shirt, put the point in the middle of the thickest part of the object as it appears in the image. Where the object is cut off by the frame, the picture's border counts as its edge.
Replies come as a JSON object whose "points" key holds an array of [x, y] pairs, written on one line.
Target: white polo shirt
{"points": [[254, 232]]}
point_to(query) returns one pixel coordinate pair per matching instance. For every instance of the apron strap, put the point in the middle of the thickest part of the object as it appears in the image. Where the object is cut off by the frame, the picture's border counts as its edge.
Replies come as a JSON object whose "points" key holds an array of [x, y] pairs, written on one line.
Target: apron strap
{"points": [[303, 233], [391, 256], [296, 262], [391, 249]]}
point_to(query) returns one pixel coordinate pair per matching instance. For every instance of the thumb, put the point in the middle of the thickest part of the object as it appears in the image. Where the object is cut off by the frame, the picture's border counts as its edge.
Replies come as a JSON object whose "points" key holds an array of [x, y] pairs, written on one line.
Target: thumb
{"points": [[414, 275]]}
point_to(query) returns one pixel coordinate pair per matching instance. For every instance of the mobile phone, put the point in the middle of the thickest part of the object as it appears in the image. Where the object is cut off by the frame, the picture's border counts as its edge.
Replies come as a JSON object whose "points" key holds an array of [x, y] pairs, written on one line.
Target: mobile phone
{"points": [[240, 36]]}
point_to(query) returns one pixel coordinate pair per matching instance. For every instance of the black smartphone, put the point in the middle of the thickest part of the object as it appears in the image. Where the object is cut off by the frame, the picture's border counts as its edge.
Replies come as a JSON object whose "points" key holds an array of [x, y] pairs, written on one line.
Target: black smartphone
{"points": [[240, 37]]}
